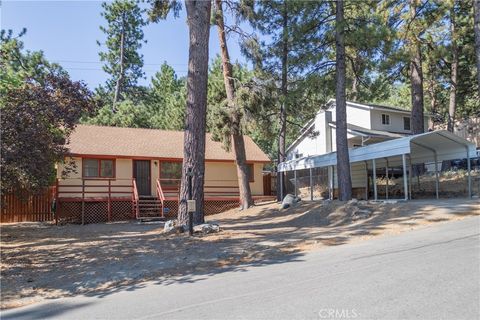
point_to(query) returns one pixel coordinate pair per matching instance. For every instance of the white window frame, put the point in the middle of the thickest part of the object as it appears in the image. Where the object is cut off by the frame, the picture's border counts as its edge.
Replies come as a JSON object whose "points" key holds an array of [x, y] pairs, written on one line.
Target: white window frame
{"points": [[387, 117]]}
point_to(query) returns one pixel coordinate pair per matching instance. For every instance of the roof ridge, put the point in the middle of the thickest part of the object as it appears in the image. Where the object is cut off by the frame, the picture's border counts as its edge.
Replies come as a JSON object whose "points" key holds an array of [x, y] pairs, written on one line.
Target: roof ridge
{"points": [[137, 128]]}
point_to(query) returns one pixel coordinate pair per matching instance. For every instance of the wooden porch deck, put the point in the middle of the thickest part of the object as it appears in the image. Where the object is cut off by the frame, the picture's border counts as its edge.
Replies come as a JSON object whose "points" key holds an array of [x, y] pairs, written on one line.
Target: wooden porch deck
{"points": [[105, 200]]}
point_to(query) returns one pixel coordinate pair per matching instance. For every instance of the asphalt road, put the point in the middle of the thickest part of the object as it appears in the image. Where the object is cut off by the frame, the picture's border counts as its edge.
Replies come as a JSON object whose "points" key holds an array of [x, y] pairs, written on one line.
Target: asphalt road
{"points": [[429, 273]]}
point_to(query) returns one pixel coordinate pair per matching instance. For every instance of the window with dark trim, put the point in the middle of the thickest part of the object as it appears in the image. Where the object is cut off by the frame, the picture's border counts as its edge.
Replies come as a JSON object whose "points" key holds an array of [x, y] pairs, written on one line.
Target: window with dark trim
{"points": [[170, 172], [251, 172], [406, 123], [98, 168], [385, 119]]}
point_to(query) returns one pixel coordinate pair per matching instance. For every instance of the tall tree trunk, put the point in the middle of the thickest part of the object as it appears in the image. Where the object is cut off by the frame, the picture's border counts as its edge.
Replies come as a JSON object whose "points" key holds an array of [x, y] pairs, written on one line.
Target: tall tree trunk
{"points": [[433, 96], [416, 78], [246, 199], [118, 85], [284, 87], [453, 72], [354, 64], [354, 88], [343, 159], [198, 20], [476, 19]]}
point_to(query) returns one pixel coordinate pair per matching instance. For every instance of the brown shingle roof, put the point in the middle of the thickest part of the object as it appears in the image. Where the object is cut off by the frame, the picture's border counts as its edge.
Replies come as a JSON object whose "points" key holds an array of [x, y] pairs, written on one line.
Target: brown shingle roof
{"points": [[152, 143]]}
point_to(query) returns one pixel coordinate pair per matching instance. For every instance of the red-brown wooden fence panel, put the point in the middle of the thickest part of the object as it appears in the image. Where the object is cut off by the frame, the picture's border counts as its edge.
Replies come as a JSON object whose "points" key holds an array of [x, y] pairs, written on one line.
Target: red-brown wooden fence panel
{"points": [[22, 206]]}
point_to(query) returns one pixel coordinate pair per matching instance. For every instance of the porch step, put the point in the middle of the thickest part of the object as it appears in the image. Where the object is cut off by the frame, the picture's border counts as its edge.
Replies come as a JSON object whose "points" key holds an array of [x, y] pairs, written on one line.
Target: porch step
{"points": [[149, 208]]}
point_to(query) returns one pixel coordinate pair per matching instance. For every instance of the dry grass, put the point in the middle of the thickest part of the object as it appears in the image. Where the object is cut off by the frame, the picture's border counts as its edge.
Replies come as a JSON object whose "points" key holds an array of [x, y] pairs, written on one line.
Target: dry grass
{"points": [[46, 261]]}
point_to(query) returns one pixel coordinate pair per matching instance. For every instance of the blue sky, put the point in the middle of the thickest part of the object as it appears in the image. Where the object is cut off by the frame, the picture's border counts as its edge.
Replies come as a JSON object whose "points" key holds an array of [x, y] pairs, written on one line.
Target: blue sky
{"points": [[67, 31]]}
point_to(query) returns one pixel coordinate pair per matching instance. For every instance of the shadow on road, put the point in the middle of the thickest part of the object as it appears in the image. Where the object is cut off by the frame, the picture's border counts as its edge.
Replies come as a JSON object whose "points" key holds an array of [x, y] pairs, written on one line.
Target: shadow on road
{"points": [[98, 260]]}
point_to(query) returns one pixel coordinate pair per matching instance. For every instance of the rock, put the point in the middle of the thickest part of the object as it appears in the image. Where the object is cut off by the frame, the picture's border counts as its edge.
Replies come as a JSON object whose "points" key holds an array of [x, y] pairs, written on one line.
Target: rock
{"points": [[169, 226], [390, 201], [172, 226], [353, 201], [289, 201], [206, 228], [361, 214], [362, 202]]}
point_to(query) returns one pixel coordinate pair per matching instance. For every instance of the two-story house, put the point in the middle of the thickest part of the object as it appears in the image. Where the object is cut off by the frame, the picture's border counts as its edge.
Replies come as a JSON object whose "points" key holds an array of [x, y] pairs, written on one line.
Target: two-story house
{"points": [[366, 124], [381, 144]]}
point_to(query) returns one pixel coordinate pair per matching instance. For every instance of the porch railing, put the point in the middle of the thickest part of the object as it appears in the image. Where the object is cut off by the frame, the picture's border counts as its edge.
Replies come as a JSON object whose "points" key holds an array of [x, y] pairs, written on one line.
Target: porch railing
{"points": [[212, 188], [87, 190], [135, 199], [161, 197]]}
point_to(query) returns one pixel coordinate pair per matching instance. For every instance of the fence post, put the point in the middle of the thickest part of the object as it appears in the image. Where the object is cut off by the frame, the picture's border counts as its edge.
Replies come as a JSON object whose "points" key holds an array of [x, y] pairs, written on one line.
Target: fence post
{"points": [[83, 201], [109, 205], [374, 168], [57, 202]]}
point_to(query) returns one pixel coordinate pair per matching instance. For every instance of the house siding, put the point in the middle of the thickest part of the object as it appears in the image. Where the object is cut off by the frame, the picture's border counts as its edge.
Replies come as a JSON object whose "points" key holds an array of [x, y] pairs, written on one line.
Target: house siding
{"points": [[355, 115], [225, 174], [123, 176], [216, 174], [396, 121]]}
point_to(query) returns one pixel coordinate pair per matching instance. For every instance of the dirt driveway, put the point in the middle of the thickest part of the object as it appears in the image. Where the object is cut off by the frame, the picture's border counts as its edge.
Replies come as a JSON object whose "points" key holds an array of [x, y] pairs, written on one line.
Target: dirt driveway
{"points": [[41, 261]]}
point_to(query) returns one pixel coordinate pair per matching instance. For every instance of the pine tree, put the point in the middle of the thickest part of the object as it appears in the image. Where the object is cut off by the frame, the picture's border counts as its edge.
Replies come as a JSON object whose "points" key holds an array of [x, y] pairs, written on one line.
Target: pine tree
{"points": [[294, 49], [234, 123], [166, 100], [453, 69], [476, 8], [198, 20], [343, 161], [124, 36]]}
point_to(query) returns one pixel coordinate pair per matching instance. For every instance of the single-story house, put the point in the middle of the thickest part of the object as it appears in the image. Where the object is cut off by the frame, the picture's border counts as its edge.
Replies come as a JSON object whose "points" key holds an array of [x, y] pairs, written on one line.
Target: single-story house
{"points": [[123, 172]]}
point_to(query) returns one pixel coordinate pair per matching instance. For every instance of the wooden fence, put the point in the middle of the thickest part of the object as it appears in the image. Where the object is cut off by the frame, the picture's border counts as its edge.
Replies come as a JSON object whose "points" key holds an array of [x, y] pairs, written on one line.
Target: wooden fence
{"points": [[24, 206]]}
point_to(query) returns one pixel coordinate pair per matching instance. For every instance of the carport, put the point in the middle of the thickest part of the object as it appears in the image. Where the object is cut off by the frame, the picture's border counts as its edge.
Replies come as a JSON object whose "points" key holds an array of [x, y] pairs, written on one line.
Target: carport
{"points": [[421, 151]]}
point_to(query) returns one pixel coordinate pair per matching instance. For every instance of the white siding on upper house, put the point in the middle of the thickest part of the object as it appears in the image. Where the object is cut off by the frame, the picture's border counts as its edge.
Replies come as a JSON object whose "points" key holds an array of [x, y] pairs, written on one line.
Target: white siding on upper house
{"points": [[358, 116], [306, 147], [312, 145], [396, 121]]}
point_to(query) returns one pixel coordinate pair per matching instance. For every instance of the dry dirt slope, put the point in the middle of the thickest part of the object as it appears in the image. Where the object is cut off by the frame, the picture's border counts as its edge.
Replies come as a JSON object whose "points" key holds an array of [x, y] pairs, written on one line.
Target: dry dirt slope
{"points": [[45, 261]]}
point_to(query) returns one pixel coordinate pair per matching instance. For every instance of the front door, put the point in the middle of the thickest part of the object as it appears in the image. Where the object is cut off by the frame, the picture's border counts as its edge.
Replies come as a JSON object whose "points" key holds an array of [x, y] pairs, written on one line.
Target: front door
{"points": [[141, 173]]}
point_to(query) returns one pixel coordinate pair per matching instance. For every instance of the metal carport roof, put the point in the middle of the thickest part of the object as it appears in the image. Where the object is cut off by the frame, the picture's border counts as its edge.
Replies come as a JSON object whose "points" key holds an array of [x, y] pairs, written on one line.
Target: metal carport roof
{"points": [[421, 147]]}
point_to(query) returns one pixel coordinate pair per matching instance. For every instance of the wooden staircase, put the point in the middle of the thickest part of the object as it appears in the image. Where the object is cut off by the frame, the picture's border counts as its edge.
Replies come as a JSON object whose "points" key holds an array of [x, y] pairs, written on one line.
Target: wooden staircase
{"points": [[150, 208]]}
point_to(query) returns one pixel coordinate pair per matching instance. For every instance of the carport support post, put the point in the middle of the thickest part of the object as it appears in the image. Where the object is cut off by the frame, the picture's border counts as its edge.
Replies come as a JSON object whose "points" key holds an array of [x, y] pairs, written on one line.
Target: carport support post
{"points": [[295, 182], [366, 176], [374, 168], [330, 182], [436, 173], [469, 175], [311, 185], [386, 174], [410, 176], [405, 182]]}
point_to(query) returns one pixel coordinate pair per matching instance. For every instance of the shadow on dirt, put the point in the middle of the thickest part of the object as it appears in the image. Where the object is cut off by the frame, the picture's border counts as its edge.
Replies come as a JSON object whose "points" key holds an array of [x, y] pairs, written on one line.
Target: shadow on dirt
{"points": [[98, 260]]}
